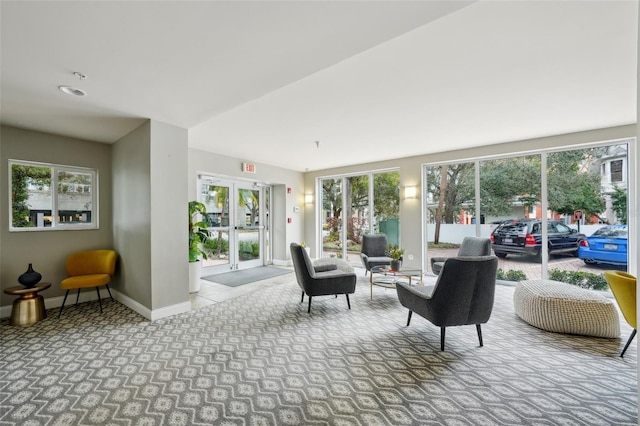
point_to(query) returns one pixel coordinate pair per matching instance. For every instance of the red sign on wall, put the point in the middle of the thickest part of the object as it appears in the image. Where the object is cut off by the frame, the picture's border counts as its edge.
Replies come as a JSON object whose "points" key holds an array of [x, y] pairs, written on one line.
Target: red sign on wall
{"points": [[248, 167]]}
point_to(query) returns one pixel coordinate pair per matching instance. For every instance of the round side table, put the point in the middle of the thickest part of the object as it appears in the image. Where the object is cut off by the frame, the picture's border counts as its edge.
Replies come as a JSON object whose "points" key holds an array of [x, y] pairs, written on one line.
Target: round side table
{"points": [[28, 309]]}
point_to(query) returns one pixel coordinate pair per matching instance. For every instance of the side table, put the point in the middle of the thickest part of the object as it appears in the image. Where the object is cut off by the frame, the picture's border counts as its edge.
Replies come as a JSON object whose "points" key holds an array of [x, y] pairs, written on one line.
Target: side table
{"points": [[28, 309]]}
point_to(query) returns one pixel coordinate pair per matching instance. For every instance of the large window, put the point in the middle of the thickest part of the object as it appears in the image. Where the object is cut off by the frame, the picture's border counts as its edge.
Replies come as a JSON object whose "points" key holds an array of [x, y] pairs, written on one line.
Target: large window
{"points": [[578, 193], [48, 196], [371, 205]]}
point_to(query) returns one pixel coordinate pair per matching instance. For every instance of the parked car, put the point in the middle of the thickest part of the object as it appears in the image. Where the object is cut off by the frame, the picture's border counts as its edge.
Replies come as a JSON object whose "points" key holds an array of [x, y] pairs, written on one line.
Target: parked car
{"points": [[607, 245], [524, 236]]}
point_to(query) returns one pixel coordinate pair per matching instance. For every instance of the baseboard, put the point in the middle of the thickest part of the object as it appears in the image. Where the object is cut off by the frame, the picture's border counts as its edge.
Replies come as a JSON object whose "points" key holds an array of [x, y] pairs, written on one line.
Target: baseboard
{"points": [[278, 262], [88, 296], [168, 311]]}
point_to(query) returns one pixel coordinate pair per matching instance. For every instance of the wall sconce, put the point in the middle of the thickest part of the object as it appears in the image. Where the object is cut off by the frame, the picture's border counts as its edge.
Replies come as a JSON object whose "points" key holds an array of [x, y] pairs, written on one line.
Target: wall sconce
{"points": [[308, 198], [409, 192]]}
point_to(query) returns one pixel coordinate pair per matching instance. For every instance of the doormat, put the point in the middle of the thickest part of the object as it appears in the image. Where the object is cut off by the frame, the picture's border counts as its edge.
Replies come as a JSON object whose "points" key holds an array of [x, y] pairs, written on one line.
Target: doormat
{"points": [[246, 276]]}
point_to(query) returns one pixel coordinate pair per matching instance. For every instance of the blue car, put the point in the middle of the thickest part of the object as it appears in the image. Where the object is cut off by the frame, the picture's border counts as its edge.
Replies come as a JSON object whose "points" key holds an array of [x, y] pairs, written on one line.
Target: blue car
{"points": [[607, 245]]}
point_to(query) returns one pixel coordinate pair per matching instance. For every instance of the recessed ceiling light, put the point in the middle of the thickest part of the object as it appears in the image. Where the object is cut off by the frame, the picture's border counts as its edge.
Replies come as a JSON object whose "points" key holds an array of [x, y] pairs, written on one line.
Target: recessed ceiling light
{"points": [[72, 91]]}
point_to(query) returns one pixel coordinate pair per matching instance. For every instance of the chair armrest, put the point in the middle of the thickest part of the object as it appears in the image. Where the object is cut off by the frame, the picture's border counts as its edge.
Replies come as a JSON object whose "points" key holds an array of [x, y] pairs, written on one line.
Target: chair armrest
{"points": [[324, 268], [438, 259]]}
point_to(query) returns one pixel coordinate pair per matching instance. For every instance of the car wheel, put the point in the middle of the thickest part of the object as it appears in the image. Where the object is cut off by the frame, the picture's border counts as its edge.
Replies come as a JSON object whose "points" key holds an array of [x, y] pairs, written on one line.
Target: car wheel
{"points": [[501, 255], [589, 261]]}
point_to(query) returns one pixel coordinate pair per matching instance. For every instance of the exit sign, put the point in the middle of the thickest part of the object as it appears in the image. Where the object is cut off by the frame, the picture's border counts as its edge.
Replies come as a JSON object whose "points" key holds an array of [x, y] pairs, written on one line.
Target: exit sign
{"points": [[248, 168]]}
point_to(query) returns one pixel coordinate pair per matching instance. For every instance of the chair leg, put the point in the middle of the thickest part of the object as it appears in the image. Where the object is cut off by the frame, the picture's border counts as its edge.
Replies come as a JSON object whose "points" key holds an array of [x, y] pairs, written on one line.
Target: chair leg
{"points": [[633, 334], [302, 300], [479, 333], [109, 290], [99, 299], [409, 318], [63, 301], [77, 297], [309, 309], [442, 331], [348, 303]]}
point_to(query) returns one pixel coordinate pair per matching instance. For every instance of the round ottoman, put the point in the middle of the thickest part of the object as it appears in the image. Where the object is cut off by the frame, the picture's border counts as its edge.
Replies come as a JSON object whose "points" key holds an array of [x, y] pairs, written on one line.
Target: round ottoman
{"points": [[342, 265], [565, 308]]}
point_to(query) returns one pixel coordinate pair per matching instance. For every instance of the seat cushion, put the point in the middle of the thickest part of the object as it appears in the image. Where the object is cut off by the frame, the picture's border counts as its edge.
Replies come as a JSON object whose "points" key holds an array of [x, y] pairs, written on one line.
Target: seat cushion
{"points": [[84, 281]]}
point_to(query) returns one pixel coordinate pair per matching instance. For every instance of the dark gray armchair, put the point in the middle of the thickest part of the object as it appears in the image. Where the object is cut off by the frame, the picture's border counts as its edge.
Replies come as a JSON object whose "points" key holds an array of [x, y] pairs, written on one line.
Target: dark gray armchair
{"points": [[470, 246], [372, 253], [463, 294], [322, 280]]}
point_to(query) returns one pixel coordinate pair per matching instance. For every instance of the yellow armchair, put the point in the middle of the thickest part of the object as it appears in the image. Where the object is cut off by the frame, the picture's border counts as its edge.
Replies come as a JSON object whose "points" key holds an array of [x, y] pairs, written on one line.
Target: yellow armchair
{"points": [[91, 268], [623, 287]]}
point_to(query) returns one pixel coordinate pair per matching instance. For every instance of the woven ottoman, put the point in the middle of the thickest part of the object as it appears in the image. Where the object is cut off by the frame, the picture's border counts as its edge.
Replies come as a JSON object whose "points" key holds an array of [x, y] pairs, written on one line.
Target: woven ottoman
{"points": [[565, 308]]}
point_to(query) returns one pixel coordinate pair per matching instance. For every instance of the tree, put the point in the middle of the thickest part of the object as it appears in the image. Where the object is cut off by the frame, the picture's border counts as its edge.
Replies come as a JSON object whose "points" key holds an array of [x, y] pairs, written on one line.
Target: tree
{"points": [[572, 187], [22, 177], [619, 205]]}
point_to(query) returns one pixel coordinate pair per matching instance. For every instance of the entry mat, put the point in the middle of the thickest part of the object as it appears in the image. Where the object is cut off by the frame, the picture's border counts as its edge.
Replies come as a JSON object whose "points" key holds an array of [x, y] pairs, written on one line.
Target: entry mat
{"points": [[246, 276]]}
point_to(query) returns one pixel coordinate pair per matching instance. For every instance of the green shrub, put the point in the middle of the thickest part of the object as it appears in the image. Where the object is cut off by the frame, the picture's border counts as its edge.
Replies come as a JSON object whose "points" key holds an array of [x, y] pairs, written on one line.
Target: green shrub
{"points": [[511, 275], [586, 280], [249, 250], [211, 245]]}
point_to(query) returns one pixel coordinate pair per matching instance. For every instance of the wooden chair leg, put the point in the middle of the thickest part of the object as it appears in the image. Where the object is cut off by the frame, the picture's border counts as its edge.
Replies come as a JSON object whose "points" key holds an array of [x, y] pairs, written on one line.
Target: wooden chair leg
{"points": [[77, 297], [309, 310], [63, 301], [409, 318], [302, 300], [633, 334], [348, 303], [479, 333], [442, 332]]}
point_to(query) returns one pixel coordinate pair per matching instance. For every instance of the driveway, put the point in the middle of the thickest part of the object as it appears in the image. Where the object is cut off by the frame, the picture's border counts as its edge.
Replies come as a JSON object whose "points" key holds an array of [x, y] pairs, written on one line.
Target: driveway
{"points": [[531, 267]]}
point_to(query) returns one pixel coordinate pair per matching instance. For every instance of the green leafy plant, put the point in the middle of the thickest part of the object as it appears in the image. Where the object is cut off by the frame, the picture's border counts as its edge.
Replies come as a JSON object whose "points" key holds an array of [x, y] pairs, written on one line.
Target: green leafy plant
{"points": [[198, 233], [511, 275], [395, 252], [586, 280]]}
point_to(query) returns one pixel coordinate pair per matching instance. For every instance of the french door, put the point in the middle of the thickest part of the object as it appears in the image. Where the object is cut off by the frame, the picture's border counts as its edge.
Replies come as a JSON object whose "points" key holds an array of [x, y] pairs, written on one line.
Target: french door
{"points": [[237, 212]]}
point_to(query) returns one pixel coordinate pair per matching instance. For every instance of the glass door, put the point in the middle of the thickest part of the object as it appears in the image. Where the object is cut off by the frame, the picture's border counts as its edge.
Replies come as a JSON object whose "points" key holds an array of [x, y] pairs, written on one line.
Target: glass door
{"points": [[248, 226], [237, 232]]}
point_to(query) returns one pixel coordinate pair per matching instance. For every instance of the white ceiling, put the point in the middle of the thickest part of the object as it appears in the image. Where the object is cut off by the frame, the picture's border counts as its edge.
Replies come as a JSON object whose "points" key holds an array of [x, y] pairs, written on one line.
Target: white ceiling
{"points": [[369, 80]]}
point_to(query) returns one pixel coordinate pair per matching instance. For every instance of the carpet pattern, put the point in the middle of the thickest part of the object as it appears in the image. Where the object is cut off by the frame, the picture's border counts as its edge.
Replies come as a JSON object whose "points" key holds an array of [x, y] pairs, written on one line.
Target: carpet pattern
{"points": [[260, 359], [246, 276]]}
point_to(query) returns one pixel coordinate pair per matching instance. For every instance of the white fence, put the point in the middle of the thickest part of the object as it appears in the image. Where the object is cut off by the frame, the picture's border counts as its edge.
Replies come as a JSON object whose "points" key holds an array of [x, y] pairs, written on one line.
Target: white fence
{"points": [[454, 233]]}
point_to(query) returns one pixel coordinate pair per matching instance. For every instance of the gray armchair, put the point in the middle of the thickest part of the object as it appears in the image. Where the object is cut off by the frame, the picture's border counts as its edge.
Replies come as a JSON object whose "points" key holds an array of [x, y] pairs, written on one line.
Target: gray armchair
{"points": [[463, 294], [470, 246], [322, 280], [373, 251]]}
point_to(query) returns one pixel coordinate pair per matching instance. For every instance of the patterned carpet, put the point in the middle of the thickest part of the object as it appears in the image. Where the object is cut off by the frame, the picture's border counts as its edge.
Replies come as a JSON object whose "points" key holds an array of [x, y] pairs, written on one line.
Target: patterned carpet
{"points": [[260, 359]]}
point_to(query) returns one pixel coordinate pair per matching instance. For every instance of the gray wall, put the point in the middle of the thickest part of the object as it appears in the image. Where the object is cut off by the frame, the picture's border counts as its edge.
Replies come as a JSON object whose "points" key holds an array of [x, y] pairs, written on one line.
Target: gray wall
{"points": [[150, 215], [48, 250], [131, 213]]}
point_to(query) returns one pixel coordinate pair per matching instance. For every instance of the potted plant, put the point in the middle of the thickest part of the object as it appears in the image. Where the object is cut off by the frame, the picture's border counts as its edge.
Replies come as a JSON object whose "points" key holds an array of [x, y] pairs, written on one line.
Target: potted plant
{"points": [[395, 253], [198, 235]]}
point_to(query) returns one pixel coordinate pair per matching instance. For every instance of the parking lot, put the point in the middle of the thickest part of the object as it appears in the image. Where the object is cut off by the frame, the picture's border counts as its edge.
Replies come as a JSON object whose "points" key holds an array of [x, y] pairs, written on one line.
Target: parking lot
{"points": [[531, 266]]}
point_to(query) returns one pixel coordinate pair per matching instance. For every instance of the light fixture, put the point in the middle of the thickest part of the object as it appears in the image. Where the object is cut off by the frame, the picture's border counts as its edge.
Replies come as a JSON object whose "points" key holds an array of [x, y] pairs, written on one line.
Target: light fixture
{"points": [[409, 192], [308, 198], [72, 91]]}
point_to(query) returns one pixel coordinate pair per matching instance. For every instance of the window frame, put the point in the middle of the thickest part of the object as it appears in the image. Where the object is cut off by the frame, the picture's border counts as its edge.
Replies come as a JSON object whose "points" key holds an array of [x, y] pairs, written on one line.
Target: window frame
{"points": [[56, 224]]}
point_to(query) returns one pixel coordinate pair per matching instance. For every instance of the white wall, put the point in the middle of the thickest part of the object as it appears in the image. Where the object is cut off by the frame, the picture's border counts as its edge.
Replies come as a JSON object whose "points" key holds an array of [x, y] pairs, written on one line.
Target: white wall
{"points": [[202, 162], [169, 242], [411, 230]]}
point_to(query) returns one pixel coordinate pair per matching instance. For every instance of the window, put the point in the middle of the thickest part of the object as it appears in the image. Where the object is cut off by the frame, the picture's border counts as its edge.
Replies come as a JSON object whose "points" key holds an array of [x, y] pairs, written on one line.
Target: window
{"points": [[48, 196], [616, 171]]}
